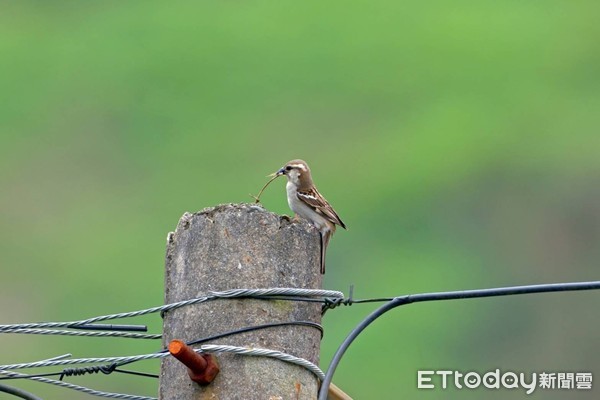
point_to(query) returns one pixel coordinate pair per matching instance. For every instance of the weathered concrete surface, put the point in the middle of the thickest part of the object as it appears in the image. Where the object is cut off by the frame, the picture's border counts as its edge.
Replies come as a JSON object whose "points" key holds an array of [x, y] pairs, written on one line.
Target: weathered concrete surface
{"points": [[242, 246]]}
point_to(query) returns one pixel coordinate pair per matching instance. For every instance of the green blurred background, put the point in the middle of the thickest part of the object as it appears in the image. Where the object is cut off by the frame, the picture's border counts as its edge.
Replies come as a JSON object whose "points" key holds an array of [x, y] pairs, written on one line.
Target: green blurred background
{"points": [[458, 140]]}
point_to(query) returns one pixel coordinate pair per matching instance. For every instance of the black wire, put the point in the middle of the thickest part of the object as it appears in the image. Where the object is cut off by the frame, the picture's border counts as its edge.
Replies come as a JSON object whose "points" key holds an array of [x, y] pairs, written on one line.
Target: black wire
{"points": [[110, 327], [6, 378], [373, 300], [18, 392], [238, 331], [463, 294], [255, 328], [137, 373]]}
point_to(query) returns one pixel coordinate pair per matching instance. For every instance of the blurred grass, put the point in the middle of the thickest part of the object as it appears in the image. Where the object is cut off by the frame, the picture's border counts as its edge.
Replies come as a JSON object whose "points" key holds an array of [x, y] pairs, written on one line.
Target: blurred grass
{"points": [[459, 141]]}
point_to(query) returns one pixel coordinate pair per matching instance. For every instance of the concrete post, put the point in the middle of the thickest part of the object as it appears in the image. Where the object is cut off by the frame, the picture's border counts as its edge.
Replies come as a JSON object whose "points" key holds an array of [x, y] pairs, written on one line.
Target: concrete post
{"points": [[242, 246]]}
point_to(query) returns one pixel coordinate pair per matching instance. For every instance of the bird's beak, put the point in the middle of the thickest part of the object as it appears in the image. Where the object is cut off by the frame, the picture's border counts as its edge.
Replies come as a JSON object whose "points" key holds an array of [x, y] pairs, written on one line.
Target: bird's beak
{"points": [[276, 174]]}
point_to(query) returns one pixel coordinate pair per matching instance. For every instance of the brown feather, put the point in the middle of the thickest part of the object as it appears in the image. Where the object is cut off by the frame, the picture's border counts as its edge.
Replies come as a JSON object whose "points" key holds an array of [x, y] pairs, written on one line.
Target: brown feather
{"points": [[314, 199]]}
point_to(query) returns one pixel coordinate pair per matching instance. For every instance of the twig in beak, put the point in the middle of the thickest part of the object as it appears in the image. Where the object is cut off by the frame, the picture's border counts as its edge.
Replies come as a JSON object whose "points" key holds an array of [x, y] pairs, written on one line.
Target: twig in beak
{"points": [[257, 198]]}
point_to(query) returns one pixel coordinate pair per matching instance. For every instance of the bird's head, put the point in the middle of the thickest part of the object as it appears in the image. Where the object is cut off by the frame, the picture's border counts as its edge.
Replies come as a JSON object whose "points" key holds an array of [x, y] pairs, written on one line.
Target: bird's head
{"points": [[296, 171]]}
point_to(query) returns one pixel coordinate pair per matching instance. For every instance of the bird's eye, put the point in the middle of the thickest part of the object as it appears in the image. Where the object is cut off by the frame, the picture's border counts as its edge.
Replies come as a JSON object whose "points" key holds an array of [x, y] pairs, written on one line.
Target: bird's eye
{"points": [[288, 168]]}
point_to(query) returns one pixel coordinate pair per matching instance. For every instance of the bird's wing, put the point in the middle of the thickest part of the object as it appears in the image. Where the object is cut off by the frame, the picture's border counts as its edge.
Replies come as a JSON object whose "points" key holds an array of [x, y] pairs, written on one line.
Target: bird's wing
{"points": [[315, 200]]}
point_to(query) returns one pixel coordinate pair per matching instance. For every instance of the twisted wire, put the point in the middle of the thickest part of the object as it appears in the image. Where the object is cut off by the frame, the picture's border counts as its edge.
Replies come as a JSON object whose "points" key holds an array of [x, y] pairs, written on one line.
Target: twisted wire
{"points": [[94, 369], [73, 361], [83, 389], [211, 348], [330, 299], [35, 331], [277, 292], [4, 369], [234, 293]]}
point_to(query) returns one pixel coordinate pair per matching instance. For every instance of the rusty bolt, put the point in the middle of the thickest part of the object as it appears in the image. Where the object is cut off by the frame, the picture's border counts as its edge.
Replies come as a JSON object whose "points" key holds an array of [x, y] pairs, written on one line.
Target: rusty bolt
{"points": [[202, 368]]}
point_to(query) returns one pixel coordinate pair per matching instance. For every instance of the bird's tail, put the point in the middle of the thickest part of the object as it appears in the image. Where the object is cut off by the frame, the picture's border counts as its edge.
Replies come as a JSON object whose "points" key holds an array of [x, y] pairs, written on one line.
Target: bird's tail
{"points": [[325, 236]]}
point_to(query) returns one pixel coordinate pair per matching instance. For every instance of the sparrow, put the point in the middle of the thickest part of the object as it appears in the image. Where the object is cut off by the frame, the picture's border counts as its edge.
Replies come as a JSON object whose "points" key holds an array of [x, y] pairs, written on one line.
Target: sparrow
{"points": [[305, 200]]}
